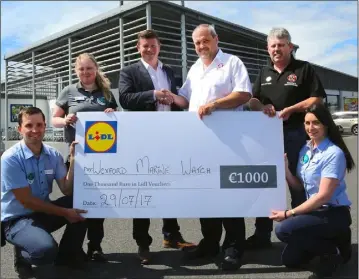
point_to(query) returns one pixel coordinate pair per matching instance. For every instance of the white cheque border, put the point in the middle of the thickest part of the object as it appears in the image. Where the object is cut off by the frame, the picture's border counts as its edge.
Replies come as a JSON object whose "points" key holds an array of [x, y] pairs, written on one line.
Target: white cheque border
{"points": [[174, 165]]}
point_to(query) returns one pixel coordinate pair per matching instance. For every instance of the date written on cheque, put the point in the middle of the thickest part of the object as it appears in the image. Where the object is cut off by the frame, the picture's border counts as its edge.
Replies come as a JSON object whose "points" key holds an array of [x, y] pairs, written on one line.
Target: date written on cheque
{"points": [[124, 198]]}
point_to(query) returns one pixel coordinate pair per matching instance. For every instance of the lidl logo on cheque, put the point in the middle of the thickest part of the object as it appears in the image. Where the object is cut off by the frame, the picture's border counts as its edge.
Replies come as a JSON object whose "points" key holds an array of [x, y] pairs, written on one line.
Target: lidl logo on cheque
{"points": [[101, 137]]}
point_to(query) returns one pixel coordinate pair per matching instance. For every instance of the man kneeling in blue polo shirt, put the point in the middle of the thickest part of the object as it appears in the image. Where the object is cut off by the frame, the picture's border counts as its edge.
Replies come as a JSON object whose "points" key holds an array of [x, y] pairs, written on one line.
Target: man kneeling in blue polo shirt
{"points": [[28, 216]]}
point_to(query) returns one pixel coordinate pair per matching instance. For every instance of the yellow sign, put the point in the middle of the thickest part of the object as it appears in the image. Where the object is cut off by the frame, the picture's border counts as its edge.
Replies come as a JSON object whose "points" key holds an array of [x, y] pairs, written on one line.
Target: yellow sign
{"points": [[101, 137]]}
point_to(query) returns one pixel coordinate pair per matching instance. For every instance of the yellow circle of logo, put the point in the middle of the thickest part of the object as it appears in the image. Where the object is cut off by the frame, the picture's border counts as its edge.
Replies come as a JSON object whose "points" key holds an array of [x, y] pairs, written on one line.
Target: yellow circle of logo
{"points": [[100, 137]]}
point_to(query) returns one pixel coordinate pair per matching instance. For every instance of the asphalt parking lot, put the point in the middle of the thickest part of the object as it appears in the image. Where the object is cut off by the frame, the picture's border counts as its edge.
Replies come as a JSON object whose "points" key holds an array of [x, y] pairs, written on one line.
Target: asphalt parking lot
{"points": [[168, 263]]}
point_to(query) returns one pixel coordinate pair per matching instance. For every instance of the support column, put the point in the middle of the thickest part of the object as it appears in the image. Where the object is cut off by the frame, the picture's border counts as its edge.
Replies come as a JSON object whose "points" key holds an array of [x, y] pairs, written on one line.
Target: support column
{"points": [[6, 119], [184, 47], [122, 51], [59, 86], [70, 60], [340, 101], [33, 80], [148, 16]]}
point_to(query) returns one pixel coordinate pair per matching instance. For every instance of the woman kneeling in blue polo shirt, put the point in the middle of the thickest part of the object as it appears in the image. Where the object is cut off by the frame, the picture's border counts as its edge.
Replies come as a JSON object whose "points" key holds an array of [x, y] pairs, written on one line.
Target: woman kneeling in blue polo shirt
{"points": [[320, 225]]}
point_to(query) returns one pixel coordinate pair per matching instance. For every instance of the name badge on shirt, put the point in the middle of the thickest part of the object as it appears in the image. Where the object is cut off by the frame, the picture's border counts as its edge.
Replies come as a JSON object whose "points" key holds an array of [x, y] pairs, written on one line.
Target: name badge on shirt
{"points": [[49, 171], [80, 98]]}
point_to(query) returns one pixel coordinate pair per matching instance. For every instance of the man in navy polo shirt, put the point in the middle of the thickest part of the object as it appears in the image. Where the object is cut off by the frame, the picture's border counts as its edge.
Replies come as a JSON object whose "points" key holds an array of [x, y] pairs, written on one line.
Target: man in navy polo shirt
{"points": [[289, 86], [28, 216]]}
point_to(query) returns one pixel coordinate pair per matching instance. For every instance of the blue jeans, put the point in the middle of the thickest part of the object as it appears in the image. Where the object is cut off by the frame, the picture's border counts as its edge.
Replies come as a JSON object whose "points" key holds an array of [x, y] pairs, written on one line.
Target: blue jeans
{"points": [[31, 235], [312, 234], [294, 140]]}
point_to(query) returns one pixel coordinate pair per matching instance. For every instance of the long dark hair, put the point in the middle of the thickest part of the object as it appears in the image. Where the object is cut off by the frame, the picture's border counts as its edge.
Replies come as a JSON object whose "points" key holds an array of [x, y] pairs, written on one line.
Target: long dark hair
{"points": [[324, 116]]}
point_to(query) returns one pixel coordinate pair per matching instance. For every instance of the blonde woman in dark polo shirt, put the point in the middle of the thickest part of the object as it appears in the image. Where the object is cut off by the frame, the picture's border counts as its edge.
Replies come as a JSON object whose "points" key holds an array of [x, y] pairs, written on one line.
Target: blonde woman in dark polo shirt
{"points": [[91, 93]]}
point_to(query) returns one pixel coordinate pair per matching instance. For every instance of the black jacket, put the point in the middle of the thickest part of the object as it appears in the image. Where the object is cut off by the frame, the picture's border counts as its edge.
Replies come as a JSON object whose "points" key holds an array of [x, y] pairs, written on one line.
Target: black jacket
{"points": [[136, 88]]}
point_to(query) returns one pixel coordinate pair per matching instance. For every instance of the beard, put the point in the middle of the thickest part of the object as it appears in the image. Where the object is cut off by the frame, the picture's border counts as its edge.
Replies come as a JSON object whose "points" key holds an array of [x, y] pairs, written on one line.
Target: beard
{"points": [[205, 54]]}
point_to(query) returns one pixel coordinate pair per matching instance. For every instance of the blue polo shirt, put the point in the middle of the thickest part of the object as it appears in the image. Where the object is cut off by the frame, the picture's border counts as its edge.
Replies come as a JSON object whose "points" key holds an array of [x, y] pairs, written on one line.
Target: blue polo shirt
{"points": [[20, 168], [325, 160]]}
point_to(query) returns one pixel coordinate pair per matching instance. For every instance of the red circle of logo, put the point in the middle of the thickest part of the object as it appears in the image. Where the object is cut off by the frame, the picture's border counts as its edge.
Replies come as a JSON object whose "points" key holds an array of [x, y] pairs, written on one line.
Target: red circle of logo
{"points": [[292, 78]]}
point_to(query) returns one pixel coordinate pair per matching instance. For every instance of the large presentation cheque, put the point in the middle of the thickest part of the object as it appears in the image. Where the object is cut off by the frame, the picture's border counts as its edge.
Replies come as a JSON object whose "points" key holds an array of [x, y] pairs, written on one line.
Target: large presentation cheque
{"points": [[172, 164]]}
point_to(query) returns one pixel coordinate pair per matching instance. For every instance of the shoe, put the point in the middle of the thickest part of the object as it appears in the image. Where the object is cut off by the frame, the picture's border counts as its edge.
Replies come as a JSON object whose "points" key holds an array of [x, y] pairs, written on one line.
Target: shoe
{"points": [[21, 267], [231, 259], [144, 255], [327, 266], [256, 242], [176, 241], [96, 255], [200, 251]]}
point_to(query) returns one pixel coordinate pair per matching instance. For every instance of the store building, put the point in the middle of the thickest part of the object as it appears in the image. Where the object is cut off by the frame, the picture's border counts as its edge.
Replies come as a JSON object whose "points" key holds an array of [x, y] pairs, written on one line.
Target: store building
{"points": [[36, 74]]}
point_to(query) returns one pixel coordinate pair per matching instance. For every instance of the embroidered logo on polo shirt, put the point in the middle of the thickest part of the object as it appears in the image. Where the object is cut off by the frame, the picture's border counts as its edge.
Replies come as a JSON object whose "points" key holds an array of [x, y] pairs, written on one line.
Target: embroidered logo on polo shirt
{"points": [[30, 178], [292, 78], [220, 65], [101, 101], [268, 81], [305, 159]]}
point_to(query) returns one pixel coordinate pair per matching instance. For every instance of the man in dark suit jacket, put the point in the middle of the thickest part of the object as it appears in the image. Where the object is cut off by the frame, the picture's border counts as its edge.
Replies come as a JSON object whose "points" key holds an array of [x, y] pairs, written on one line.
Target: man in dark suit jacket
{"points": [[143, 86]]}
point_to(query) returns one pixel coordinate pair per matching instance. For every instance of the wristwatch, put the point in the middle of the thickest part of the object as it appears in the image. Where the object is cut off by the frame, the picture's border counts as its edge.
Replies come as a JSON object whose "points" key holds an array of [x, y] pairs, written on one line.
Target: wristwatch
{"points": [[292, 212]]}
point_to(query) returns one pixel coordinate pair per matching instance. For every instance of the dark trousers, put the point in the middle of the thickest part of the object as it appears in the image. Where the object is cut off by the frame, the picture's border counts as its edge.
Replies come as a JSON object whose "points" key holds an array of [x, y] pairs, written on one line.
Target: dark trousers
{"points": [[312, 234], [31, 235], [294, 140], [95, 232], [212, 232], [141, 226], [95, 229]]}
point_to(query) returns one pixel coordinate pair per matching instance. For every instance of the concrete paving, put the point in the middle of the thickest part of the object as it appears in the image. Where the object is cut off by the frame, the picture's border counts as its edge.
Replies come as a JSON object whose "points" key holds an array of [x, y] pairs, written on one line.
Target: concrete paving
{"points": [[168, 263]]}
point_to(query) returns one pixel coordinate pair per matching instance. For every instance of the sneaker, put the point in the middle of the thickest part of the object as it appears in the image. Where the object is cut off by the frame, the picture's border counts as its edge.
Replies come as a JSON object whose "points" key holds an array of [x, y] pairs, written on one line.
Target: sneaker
{"points": [[21, 267], [231, 259], [256, 242], [176, 241], [96, 255]]}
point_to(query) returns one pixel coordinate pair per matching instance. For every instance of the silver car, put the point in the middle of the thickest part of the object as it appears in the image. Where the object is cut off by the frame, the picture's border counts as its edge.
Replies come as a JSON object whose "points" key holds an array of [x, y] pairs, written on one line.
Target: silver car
{"points": [[346, 121]]}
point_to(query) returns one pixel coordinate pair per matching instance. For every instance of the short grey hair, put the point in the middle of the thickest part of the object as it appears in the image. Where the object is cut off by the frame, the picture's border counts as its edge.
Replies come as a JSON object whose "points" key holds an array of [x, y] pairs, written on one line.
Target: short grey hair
{"points": [[207, 26], [280, 33]]}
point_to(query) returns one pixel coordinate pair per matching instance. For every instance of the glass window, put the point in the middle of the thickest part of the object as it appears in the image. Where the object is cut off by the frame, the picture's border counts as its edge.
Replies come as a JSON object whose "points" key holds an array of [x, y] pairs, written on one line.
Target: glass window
{"points": [[332, 103]]}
